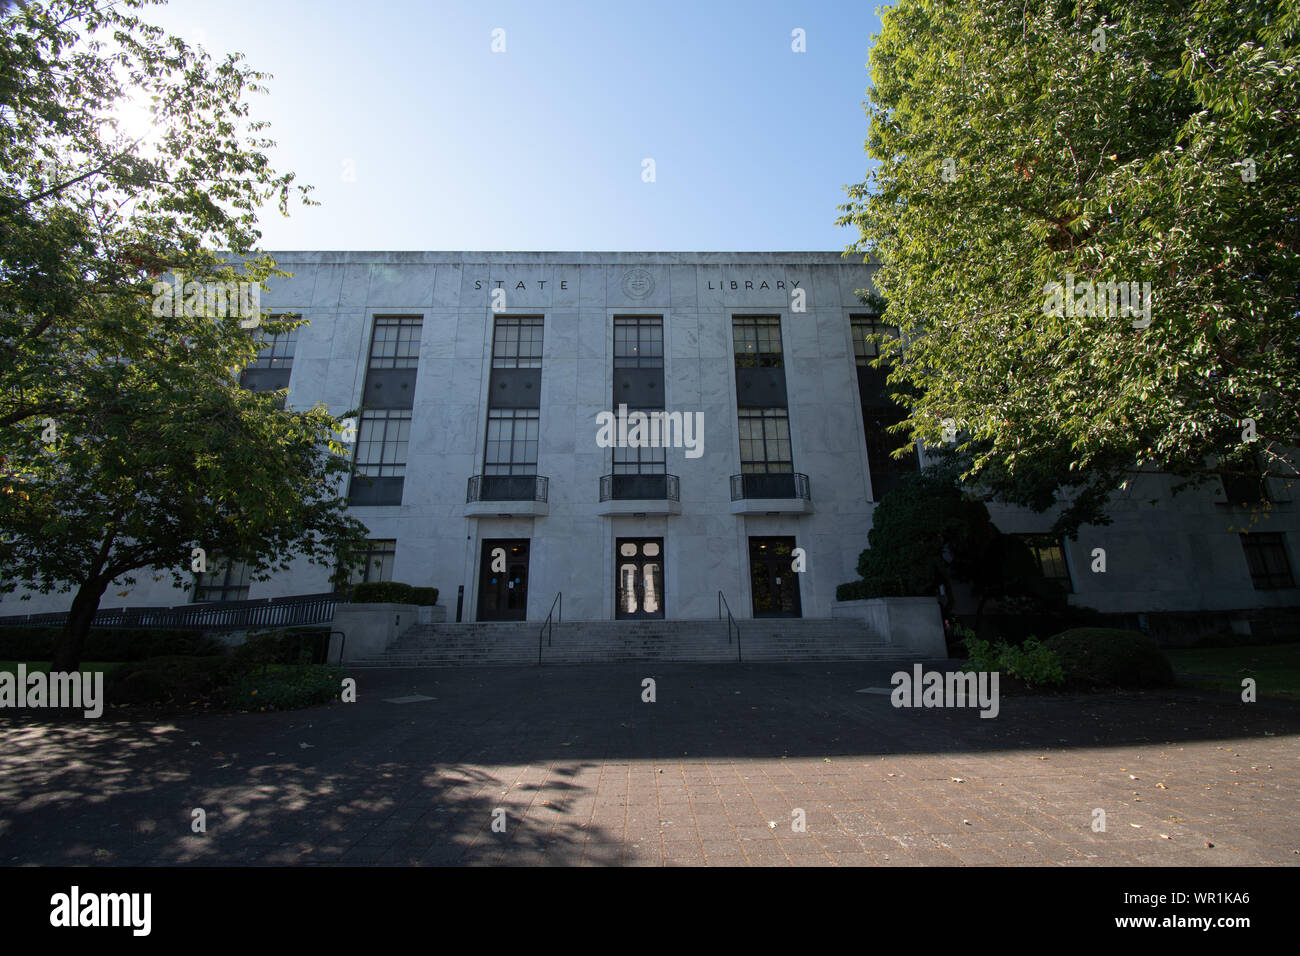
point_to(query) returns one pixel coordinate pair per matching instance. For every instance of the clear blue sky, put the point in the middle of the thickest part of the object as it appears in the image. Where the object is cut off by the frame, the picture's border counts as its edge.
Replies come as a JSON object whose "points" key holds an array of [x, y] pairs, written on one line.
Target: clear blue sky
{"points": [[541, 147]]}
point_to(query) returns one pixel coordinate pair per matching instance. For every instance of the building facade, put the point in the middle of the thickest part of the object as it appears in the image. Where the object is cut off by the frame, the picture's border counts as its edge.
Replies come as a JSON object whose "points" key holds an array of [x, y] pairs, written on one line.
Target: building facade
{"points": [[642, 431]]}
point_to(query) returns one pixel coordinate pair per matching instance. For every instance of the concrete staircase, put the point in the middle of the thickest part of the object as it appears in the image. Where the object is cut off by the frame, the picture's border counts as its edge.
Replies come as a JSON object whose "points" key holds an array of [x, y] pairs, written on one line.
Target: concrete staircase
{"points": [[581, 642]]}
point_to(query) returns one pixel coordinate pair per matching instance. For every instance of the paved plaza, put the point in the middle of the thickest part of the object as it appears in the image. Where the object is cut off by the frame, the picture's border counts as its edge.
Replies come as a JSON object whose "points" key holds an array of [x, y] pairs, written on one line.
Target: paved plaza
{"points": [[718, 770]]}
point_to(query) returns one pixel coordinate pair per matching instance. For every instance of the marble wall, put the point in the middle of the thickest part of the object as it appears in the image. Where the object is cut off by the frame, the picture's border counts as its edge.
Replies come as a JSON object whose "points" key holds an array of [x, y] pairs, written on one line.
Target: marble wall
{"points": [[1182, 554]]}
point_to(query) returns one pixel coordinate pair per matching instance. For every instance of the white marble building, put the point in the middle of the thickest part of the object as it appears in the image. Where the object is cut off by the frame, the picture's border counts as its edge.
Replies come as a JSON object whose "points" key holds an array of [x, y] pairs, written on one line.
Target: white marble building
{"points": [[494, 394]]}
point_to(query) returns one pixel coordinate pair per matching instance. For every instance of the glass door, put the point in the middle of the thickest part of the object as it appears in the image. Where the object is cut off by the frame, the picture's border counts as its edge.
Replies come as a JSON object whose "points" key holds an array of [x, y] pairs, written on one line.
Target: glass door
{"points": [[639, 578]]}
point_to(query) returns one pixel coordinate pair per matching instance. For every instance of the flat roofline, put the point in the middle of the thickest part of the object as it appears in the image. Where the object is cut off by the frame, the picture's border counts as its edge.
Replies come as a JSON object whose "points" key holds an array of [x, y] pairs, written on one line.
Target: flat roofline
{"points": [[566, 258]]}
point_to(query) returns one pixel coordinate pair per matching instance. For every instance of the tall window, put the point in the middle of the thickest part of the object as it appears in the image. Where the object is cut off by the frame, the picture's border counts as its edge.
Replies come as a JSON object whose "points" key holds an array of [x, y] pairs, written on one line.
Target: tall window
{"points": [[638, 341], [640, 461], [517, 342], [865, 348], [275, 351], [511, 442], [376, 561], [1270, 569], [396, 343], [382, 436], [1050, 555], [225, 581], [765, 441], [757, 341]]}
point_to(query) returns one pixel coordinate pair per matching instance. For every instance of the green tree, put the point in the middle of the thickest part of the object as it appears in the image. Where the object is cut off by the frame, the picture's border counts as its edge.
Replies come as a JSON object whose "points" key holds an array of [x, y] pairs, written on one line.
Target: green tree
{"points": [[125, 441], [1024, 144], [928, 533]]}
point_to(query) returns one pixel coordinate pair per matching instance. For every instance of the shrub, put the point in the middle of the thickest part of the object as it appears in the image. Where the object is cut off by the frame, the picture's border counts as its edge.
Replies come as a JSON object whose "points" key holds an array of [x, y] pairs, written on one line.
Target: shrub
{"points": [[285, 646], [286, 688], [852, 591], [1032, 662], [30, 643], [1109, 657], [171, 680], [425, 597], [382, 592]]}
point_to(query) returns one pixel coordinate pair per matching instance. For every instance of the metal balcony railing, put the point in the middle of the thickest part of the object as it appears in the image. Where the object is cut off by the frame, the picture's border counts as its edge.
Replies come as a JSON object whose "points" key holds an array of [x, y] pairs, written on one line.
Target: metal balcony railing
{"points": [[640, 487], [506, 488], [210, 616], [788, 485]]}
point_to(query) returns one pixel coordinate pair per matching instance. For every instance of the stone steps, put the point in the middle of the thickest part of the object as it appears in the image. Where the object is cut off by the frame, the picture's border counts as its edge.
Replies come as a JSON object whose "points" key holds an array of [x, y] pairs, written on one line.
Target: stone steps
{"points": [[577, 642]]}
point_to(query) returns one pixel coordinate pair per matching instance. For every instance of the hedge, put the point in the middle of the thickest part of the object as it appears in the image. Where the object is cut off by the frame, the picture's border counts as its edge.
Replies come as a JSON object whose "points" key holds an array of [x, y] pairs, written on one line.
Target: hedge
{"points": [[1109, 657], [220, 682], [303, 645], [852, 591], [172, 680], [393, 592], [25, 642]]}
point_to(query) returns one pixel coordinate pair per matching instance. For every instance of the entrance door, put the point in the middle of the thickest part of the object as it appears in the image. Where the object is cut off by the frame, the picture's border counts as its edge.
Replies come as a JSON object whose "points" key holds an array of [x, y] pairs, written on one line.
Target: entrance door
{"points": [[639, 578], [774, 586], [503, 580]]}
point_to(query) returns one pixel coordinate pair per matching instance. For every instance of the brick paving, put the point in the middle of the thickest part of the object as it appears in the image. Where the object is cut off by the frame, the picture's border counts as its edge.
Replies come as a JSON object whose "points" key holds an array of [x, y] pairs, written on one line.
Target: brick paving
{"points": [[715, 772]]}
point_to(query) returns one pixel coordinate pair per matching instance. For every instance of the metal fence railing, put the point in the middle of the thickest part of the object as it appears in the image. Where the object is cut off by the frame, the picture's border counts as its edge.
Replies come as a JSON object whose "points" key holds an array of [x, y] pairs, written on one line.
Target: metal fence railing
{"points": [[212, 616]]}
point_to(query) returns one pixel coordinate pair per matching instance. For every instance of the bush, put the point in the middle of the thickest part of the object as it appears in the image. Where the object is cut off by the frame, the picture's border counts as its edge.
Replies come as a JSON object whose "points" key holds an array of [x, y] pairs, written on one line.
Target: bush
{"points": [[1109, 657], [286, 688], [852, 591], [286, 646], [1031, 662], [382, 592], [221, 682], [28, 643], [1016, 628], [425, 597], [171, 680]]}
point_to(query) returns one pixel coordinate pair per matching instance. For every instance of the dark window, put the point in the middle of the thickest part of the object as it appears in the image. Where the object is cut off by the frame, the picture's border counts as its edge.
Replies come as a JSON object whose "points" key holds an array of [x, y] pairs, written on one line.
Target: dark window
{"points": [[1049, 552], [865, 347], [1245, 488], [638, 341], [275, 351], [382, 436], [396, 343], [227, 581], [517, 342], [511, 442], [757, 341], [886, 471], [376, 562], [765, 441], [1267, 560]]}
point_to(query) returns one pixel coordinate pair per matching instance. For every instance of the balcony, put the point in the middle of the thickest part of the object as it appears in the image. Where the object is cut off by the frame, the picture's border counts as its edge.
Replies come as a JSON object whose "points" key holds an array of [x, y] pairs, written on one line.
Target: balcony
{"points": [[762, 494], [640, 495], [506, 496]]}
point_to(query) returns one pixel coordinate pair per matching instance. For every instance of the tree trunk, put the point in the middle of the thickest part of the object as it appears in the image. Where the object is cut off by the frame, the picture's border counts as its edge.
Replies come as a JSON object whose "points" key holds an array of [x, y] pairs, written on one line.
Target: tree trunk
{"points": [[72, 640]]}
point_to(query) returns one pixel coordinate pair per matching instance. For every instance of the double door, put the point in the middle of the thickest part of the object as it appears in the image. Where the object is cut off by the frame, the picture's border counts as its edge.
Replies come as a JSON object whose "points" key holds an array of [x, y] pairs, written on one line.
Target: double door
{"points": [[773, 582], [503, 580], [638, 578]]}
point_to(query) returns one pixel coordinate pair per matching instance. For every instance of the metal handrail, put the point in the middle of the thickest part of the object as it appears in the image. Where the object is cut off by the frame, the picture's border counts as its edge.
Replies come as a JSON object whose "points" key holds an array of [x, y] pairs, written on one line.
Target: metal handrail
{"points": [[731, 621], [547, 626]]}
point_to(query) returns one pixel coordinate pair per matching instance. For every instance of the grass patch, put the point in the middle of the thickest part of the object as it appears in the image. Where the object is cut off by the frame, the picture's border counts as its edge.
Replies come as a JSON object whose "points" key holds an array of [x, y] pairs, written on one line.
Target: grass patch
{"points": [[1275, 668]]}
